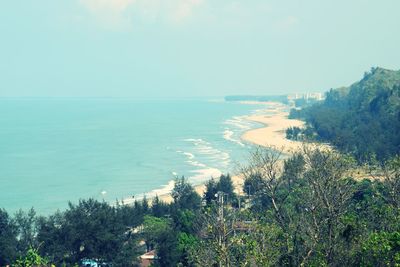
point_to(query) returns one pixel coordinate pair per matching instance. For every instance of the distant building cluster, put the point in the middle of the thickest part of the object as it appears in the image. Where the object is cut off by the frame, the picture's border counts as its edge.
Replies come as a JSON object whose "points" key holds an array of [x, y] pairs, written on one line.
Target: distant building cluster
{"points": [[307, 96], [297, 98]]}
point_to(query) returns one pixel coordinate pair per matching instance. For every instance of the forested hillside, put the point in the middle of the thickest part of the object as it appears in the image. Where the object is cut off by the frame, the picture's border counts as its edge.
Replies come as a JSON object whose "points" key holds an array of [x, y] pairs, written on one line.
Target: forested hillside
{"points": [[363, 119]]}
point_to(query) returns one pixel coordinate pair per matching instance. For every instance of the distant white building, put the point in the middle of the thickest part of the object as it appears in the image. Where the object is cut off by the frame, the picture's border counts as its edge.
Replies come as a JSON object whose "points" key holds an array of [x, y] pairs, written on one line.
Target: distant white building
{"points": [[315, 96]]}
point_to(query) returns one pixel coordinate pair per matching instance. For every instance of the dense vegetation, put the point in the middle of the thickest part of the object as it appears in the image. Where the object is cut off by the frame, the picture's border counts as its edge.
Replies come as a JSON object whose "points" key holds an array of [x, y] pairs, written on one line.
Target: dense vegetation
{"points": [[305, 210], [363, 119]]}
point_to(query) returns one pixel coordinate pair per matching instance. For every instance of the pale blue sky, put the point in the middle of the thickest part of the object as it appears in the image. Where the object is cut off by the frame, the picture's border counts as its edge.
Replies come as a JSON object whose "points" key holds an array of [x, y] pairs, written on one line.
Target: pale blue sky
{"points": [[146, 48]]}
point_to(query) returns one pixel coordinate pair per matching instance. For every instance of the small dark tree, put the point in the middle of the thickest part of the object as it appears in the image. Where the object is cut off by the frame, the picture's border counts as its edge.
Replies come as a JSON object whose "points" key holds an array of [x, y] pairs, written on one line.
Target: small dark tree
{"points": [[26, 227], [51, 237], [211, 191], [159, 208], [93, 230], [184, 195], [325, 200], [225, 185], [391, 176], [8, 239]]}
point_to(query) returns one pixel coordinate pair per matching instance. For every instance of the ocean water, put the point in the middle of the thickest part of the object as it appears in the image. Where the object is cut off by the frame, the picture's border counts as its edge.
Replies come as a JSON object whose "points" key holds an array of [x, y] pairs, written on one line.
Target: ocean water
{"points": [[64, 149]]}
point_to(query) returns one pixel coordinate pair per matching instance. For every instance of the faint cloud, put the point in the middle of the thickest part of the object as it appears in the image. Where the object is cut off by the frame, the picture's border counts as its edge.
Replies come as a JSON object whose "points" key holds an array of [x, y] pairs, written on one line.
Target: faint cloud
{"points": [[110, 13], [119, 13], [183, 9], [116, 6], [287, 23]]}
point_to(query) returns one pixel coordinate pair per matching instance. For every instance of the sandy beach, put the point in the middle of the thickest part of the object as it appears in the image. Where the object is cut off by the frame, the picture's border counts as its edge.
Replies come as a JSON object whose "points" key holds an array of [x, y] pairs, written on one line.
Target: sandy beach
{"points": [[272, 134]]}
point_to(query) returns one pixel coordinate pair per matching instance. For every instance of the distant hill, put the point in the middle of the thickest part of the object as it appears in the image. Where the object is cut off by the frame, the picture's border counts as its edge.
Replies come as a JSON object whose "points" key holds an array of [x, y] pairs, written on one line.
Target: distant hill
{"points": [[363, 119]]}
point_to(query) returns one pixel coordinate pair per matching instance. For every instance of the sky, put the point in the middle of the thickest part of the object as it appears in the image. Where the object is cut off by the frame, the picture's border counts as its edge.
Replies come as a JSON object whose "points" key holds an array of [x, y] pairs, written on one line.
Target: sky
{"points": [[190, 48]]}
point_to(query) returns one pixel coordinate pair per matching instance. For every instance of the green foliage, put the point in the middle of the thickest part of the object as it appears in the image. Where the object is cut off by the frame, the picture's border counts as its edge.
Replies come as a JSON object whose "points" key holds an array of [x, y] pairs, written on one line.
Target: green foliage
{"points": [[8, 239], [90, 229], [159, 208], [186, 244], [154, 228], [263, 246], [224, 184], [31, 259], [51, 234], [211, 191], [186, 241], [159, 234], [184, 195], [26, 224], [184, 220], [363, 119], [293, 133], [381, 249], [391, 173]]}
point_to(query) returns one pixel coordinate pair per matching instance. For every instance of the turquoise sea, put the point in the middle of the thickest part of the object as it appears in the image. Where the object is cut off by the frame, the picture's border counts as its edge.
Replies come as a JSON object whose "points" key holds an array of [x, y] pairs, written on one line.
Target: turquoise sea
{"points": [[55, 150]]}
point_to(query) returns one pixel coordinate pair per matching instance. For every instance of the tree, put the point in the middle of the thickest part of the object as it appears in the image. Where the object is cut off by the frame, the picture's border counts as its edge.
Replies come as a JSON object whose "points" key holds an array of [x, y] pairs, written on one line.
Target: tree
{"points": [[184, 195], [381, 249], [92, 230], [293, 133], [8, 239], [325, 201], [26, 230], [391, 176], [224, 184], [215, 229], [265, 165], [32, 259], [186, 244], [159, 208], [275, 183], [153, 228], [211, 191], [262, 245], [159, 235], [51, 235]]}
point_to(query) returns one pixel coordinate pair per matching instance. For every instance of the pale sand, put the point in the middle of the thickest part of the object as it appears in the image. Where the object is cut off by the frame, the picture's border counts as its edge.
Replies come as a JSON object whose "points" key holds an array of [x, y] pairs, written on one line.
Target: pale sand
{"points": [[274, 132], [271, 135], [201, 189]]}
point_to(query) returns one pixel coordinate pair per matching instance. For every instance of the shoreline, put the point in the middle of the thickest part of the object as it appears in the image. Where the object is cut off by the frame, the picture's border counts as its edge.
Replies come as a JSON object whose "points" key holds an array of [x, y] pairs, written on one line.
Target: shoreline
{"points": [[270, 134]]}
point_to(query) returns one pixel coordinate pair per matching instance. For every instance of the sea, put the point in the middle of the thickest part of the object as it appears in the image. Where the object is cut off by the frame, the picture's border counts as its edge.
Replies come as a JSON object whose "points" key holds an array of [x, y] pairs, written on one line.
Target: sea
{"points": [[58, 150]]}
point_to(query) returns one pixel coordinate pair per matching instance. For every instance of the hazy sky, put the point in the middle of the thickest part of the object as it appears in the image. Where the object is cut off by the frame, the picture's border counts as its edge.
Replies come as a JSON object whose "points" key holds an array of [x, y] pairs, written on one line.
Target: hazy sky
{"points": [[192, 47]]}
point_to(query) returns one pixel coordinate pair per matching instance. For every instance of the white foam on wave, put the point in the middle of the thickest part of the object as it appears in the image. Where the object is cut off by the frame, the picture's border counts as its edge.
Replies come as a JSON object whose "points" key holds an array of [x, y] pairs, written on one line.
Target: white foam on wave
{"points": [[164, 190], [206, 149], [199, 176], [239, 122], [190, 160], [228, 135], [195, 163], [196, 141], [189, 155], [203, 175]]}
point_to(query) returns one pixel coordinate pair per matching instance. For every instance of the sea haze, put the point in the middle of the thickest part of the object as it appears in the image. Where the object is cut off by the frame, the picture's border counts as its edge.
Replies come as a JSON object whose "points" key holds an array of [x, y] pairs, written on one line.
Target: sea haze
{"points": [[57, 150]]}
